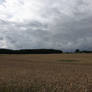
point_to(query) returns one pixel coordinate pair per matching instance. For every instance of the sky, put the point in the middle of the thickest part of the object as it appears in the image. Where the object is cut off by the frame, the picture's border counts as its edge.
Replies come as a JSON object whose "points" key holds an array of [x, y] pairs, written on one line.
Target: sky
{"points": [[35, 24]]}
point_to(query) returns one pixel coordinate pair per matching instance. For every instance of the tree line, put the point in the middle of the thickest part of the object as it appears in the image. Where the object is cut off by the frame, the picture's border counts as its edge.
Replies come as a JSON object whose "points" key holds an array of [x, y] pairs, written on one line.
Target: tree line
{"points": [[30, 51], [39, 51], [82, 51]]}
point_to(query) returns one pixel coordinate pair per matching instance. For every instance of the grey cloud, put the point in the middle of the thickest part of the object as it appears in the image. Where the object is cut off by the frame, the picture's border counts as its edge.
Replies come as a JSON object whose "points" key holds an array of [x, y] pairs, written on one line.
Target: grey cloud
{"points": [[61, 25]]}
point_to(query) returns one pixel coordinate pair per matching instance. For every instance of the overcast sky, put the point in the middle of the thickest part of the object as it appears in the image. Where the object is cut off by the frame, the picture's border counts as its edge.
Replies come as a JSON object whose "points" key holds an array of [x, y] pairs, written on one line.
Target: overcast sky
{"points": [[57, 24]]}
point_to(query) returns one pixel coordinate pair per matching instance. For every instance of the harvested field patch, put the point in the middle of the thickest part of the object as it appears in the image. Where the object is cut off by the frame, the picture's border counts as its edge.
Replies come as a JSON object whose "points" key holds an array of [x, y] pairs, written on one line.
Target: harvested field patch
{"points": [[46, 73]]}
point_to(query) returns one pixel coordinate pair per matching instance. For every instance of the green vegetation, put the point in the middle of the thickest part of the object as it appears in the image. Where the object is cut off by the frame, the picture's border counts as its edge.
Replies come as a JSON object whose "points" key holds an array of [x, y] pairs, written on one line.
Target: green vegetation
{"points": [[68, 61]]}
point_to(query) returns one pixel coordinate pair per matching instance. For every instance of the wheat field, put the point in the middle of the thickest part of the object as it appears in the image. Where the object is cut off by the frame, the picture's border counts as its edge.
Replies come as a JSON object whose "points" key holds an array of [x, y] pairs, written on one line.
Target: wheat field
{"points": [[46, 73]]}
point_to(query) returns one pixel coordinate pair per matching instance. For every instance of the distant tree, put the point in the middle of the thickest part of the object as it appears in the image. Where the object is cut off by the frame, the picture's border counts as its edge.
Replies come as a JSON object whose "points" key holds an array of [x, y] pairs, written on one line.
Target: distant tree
{"points": [[77, 51]]}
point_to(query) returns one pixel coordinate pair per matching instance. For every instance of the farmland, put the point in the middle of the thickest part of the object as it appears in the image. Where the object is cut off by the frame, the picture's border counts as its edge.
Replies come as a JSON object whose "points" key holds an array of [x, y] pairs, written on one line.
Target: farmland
{"points": [[46, 73]]}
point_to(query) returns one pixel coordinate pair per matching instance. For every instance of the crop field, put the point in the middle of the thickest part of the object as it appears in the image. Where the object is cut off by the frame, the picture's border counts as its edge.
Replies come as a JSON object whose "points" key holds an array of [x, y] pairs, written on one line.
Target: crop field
{"points": [[46, 73]]}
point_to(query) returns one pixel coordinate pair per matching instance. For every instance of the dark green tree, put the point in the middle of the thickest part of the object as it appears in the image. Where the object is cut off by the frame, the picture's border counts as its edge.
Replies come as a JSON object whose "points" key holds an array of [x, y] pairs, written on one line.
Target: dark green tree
{"points": [[77, 51]]}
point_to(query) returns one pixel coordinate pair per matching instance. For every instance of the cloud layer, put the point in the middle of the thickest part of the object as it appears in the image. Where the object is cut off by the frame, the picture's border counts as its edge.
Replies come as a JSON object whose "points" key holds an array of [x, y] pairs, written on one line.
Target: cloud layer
{"points": [[58, 24]]}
